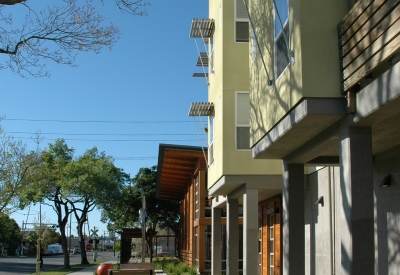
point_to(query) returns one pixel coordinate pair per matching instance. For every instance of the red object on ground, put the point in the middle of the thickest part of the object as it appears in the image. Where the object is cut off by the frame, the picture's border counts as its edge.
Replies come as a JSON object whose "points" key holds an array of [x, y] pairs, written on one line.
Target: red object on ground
{"points": [[88, 246], [102, 269]]}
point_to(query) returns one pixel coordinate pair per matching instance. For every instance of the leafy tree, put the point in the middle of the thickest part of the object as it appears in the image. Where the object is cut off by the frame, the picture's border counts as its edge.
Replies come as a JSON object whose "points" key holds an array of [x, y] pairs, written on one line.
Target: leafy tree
{"points": [[46, 187], [56, 33], [93, 181], [47, 234], [75, 186], [163, 213], [125, 211], [16, 165], [10, 234]]}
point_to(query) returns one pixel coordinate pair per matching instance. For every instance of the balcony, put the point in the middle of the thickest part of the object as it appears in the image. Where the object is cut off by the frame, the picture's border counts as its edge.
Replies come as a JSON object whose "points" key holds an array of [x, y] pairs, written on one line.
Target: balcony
{"points": [[368, 38]]}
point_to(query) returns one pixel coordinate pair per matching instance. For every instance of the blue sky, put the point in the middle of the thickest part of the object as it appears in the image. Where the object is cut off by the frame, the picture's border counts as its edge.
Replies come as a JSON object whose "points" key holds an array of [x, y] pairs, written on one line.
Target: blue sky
{"points": [[125, 101]]}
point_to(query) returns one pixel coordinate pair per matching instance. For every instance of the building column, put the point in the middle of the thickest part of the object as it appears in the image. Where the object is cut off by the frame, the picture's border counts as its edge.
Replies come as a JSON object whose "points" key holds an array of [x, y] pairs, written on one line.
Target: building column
{"points": [[216, 241], [356, 186], [293, 232], [232, 236], [250, 232]]}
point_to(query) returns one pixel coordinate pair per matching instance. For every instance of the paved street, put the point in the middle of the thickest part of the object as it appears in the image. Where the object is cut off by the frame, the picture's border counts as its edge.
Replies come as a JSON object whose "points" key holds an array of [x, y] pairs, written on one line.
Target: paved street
{"points": [[23, 266]]}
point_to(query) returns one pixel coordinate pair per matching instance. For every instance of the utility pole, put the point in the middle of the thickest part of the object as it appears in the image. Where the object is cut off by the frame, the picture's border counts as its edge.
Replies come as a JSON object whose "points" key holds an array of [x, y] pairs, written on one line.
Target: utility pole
{"points": [[39, 242], [143, 221], [22, 241], [70, 224]]}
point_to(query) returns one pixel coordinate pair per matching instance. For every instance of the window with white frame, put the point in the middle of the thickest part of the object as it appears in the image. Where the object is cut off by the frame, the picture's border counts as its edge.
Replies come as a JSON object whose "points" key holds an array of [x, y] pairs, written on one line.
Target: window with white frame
{"points": [[241, 22], [242, 120], [197, 203], [281, 36]]}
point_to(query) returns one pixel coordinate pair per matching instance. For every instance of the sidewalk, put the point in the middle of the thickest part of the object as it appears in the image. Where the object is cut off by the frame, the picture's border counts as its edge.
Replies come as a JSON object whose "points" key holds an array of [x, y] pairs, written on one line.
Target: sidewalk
{"points": [[90, 270]]}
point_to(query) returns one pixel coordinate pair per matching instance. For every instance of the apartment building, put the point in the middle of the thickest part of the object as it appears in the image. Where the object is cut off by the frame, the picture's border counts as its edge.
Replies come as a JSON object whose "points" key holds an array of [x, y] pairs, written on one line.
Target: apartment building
{"points": [[324, 93], [246, 190]]}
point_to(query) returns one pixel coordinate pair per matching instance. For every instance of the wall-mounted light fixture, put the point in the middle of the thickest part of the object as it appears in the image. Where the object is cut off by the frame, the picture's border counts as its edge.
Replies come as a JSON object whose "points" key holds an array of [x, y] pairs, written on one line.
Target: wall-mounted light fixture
{"points": [[386, 182], [277, 211], [320, 201]]}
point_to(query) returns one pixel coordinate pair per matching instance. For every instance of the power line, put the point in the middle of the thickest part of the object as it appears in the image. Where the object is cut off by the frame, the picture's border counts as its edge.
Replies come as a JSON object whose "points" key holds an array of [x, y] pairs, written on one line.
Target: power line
{"points": [[96, 121], [134, 158], [73, 134], [114, 140]]}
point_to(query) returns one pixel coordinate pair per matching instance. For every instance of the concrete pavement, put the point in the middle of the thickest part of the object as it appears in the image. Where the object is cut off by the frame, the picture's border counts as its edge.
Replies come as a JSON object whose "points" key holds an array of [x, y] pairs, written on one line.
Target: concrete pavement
{"points": [[90, 270]]}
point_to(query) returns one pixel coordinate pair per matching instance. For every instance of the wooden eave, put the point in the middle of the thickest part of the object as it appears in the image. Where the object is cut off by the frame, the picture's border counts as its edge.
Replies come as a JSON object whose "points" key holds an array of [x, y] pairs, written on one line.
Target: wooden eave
{"points": [[176, 168]]}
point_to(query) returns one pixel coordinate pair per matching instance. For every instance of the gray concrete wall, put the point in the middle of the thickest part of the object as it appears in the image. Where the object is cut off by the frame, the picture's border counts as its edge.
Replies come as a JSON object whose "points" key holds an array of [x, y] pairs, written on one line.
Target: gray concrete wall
{"points": [[319, 221], [323, 246], [387, 213]]}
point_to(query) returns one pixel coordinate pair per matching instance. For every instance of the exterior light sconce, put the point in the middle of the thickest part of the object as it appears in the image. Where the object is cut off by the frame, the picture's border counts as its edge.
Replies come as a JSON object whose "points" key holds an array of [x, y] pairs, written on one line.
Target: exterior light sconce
{"points": [[320, 201], [277, 211], [386, 182], [292, 57]]}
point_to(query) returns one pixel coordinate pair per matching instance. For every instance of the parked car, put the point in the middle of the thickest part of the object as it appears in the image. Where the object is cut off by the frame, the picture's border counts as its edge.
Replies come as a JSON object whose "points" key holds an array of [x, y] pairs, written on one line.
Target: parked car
{"points": [[56, 249], [77, 251], [48, 253]]}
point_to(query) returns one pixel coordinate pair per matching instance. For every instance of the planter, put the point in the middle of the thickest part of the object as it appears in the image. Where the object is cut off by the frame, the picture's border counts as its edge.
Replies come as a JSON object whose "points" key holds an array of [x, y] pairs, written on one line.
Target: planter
{"points": [[102, 269]]}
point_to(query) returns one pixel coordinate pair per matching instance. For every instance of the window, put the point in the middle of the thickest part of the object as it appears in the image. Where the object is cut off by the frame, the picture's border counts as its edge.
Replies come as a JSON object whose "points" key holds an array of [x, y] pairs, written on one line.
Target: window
{"points": [[241, 22], [253, 45], [271, 244], [211, 136], [196, 246], [197, 197], [242, 121], [281, 36], [207, 248], [259, 240]]}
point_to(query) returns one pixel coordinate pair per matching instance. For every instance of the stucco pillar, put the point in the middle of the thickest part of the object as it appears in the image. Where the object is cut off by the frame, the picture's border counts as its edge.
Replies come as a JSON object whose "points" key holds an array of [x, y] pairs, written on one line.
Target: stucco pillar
{"points": [[250, 232], [232, 236], [356, 229], [216, 241], [293, 232]]}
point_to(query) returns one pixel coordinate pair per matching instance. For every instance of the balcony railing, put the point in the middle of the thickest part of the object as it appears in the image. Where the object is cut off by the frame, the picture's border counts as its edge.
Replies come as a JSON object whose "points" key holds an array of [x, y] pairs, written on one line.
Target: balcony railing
{"points": [[368, 36]]}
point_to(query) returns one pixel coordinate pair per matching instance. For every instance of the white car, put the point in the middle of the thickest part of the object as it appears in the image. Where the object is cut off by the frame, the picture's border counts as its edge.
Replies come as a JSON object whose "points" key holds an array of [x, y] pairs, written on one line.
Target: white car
{"points": [[77, 251]]}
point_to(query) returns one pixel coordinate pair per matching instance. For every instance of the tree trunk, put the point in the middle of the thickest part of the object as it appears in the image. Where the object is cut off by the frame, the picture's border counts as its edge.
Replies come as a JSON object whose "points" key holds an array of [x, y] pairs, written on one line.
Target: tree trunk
{"points": [[64, 245], [81, 223], [62, 222]]}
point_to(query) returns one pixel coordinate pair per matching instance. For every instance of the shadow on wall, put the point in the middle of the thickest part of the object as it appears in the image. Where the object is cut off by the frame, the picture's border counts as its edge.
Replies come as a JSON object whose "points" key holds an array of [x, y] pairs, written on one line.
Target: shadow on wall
{"points": [[387, 219]]}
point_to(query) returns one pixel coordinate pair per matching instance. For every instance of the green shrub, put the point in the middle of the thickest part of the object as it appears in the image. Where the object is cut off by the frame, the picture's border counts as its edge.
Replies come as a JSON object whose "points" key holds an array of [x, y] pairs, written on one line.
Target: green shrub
{"points": [[193, 271], [175, 267]]}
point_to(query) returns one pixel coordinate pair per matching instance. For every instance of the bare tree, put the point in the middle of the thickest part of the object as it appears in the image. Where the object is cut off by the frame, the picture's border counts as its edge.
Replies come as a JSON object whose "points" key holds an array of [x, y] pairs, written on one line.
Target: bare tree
{"points": [[56, 33]]}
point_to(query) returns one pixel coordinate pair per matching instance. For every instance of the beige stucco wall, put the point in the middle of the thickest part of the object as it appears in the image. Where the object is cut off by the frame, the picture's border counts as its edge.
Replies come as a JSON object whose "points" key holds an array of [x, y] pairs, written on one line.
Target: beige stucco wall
{"points": [[315, 71], [231, 74]]}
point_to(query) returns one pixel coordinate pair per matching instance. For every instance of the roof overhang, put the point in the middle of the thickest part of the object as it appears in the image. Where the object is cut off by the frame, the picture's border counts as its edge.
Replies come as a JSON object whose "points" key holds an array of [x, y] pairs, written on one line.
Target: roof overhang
{"points": [[309, 133], [176, 167], [235, 186], [305, 121]]}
